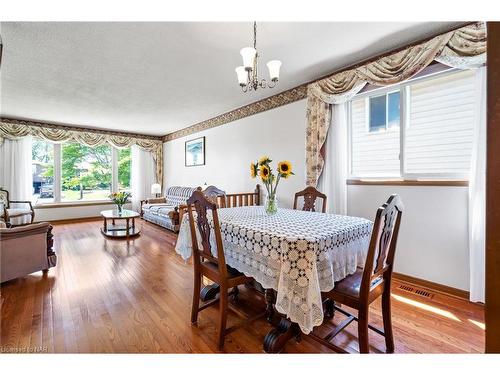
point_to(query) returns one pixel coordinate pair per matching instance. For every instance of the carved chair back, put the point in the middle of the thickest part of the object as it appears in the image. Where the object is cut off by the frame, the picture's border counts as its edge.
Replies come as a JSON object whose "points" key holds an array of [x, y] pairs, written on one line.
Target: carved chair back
{"points": [[380, 256], [4, 198], [200, 205], [216, 195], [310, 195]]}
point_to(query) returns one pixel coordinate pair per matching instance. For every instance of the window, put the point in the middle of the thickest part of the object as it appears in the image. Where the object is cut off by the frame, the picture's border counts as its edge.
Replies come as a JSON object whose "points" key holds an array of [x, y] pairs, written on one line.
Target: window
{"points": [[86, 172], [432, 139], [384, 112], [374, 154], [42, 165], [72, 172], [124, 164]]}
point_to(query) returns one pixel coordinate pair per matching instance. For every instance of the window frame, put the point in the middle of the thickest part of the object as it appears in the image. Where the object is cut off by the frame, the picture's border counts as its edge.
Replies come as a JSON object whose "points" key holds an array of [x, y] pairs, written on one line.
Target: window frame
{"points": [[405, 97], [58, 180]]}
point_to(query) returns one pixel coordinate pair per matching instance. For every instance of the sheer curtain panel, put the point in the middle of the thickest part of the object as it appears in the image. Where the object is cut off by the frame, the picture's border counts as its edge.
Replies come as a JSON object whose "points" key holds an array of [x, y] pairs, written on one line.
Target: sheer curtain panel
{"points": [[332, 181], [143, 175], [15, 168], [477, 194]]}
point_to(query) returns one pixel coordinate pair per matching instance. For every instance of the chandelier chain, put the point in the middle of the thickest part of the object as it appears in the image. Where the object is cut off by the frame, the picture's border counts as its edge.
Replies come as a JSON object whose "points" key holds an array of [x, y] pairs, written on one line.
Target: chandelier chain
{"points": [[255, 35]]}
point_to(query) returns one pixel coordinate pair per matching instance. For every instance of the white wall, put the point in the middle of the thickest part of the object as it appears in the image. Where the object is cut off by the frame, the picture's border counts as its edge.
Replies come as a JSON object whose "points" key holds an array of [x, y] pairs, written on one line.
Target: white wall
{"points": [[230, 148], [433, 238], [75, 212]]}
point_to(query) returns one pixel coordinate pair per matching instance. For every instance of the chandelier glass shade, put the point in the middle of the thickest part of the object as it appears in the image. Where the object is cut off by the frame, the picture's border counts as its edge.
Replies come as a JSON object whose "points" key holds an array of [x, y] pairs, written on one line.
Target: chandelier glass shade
{"points": [[247, 73]]}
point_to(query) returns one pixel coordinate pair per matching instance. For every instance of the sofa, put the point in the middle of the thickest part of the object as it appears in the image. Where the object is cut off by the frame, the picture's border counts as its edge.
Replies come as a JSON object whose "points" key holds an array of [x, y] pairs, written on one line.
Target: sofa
{"points": [[25, 249], [165, 211]]}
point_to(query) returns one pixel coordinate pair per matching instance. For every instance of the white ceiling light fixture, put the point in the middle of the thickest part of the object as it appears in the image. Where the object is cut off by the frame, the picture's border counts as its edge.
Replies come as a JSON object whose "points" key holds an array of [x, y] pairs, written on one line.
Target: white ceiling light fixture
{"points": [[247, 73]]}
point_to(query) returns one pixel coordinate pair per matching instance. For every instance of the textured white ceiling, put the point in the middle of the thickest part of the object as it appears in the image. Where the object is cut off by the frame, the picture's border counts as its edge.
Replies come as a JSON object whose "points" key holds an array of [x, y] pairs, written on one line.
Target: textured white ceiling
{"points": [[155, 78]]}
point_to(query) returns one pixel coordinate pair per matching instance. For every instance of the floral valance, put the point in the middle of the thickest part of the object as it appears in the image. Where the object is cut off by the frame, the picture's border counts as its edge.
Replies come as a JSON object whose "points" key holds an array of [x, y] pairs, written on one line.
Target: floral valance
{"points": [[464, 48], [17, 129]]}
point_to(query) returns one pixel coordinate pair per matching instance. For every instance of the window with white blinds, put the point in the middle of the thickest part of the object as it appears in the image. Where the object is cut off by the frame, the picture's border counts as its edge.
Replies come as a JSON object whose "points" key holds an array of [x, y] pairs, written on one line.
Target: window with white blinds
{"points": [[374, 154], [432, 139], [440, 124]]}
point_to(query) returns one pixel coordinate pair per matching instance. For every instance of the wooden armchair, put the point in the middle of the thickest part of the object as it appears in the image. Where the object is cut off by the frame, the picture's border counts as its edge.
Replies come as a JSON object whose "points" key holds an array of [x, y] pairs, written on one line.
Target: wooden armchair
{"points": [[360, 289], [8, 212], [310, 195], [212, 264]]}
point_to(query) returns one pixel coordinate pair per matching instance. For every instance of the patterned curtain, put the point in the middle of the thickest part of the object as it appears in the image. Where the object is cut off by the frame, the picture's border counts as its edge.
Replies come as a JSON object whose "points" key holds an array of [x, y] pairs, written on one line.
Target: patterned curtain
{"points": [[90, 138], [463, 48]]}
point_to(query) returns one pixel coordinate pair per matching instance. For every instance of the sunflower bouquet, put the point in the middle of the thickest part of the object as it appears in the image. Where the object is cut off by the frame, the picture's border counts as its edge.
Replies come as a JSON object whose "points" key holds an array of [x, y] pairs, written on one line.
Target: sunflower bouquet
{"points": [[271, 180], [119, 199]]}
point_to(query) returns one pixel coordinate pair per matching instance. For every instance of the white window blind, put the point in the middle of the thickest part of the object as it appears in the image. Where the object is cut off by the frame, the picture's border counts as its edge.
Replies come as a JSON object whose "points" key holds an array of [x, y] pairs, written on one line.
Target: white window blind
{"points": [[435, 134], [374, 154], [440, 122]]}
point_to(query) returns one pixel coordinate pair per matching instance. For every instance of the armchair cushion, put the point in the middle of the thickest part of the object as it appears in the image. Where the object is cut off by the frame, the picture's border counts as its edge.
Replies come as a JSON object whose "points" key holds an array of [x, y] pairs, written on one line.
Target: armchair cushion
{"points": [[25, 249], [15, 212]]}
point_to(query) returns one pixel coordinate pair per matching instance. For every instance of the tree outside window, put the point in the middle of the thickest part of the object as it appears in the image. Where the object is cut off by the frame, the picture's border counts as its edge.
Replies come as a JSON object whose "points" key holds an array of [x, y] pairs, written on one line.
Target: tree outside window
{"points": [[86, 172]]}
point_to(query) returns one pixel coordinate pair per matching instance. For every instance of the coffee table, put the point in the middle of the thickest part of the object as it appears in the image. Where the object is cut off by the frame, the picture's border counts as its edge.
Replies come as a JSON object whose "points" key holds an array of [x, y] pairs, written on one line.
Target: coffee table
{"points": [[120, 231]]}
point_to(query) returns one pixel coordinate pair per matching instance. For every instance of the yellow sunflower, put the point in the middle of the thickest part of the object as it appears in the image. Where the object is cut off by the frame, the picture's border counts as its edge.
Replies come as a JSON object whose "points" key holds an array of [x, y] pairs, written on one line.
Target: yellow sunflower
{"points": [[264, 172], [285, 168], [253, 170], [264, 160]]}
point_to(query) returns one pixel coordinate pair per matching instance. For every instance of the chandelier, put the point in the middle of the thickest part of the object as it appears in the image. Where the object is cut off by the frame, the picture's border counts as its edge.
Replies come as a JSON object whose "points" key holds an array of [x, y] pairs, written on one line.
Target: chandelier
{"points": [[248, 74]]}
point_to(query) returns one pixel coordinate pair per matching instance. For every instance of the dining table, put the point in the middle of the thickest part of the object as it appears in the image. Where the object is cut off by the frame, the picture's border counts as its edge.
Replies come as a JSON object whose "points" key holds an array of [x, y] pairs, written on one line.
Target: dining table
{"points": [[294, 254]]}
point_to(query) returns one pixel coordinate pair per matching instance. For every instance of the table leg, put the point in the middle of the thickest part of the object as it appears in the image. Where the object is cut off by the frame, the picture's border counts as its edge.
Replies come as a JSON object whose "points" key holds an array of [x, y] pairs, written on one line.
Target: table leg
{"points": [[105, 225], [270, 296], [127, 226], [209, 292], [276, 339], [328, 309], [133, 223], [113, 221]]}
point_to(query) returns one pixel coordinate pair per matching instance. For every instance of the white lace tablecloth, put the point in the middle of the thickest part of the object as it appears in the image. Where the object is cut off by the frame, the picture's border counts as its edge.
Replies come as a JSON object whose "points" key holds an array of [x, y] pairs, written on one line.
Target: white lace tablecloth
{"points": [[299, 254]]}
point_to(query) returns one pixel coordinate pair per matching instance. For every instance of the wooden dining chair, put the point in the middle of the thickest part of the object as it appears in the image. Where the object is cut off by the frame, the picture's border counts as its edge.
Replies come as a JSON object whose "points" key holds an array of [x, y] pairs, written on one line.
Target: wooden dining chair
{"points": [[310, 195], [363, 287], [211, 263], [216, 196]]}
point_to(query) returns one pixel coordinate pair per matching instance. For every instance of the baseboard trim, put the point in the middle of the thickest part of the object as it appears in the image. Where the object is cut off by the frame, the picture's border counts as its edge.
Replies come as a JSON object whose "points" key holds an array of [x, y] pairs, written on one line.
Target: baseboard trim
{"points": [[440, 288], [70, 221]]}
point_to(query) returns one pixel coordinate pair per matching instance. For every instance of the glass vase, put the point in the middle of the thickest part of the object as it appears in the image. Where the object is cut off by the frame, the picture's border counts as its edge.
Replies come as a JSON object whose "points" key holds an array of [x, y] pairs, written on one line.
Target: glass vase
{"points": [[271, 204], [119, 207]]}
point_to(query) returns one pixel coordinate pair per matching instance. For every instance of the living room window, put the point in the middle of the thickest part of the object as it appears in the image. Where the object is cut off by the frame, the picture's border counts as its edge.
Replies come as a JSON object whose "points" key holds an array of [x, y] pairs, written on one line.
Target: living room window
{"points": [[72, 172], [420, 129], [124, 167], [42, 166], [86, 172]]}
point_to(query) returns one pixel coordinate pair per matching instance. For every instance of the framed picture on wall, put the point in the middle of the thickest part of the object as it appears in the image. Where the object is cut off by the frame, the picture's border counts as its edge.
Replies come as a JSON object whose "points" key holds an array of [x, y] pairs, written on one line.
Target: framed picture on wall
{"points": [[195, 152]]}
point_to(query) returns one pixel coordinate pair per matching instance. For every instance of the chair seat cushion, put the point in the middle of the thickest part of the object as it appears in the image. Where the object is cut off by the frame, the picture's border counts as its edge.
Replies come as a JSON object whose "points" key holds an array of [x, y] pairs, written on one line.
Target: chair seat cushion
{"points": [[351, 284], [231, 272], [13, 212]]}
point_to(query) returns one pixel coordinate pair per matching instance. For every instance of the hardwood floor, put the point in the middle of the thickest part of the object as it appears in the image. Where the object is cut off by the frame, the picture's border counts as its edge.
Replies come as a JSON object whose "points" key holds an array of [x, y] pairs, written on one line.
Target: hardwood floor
{"points": [[110, 295]]}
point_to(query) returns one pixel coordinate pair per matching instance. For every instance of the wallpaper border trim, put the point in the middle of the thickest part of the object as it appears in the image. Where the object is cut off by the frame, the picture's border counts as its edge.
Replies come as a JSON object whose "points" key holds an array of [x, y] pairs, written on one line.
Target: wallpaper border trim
{"points": [[278, 100], [15, 121]]}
